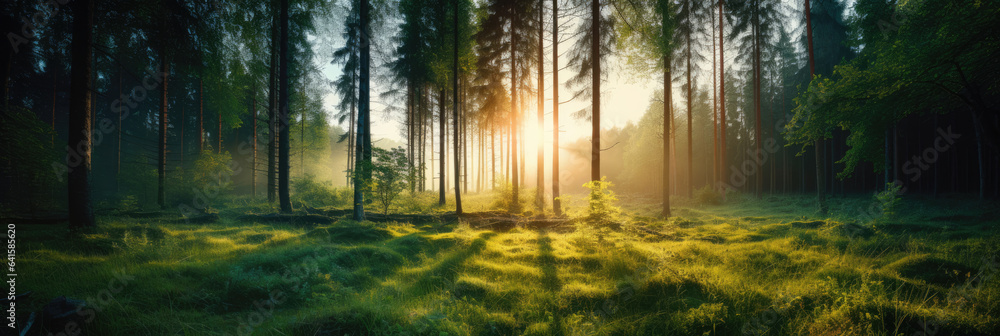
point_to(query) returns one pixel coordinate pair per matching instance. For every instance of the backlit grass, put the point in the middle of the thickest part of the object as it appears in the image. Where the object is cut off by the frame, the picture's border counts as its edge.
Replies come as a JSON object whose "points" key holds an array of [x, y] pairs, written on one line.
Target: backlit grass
{"points": [[748, 267]]}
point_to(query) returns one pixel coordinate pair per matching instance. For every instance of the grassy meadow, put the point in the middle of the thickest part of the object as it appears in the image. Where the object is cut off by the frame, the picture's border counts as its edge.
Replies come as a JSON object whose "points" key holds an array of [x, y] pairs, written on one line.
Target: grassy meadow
{"points": [[747, 267]]}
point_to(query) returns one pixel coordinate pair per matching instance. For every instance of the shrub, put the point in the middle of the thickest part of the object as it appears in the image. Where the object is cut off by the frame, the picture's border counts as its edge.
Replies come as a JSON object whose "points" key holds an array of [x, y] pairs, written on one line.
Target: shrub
{"points": [[127, 204], [503, 194], [390, 172], [708, 196], [603, 212], [888, 200], [313, 192]]}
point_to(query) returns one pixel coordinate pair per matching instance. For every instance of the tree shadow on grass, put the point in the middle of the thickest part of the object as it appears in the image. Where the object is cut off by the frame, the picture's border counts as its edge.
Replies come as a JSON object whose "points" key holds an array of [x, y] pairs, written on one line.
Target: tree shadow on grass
{"points": [[445, 272], [550, 279]]}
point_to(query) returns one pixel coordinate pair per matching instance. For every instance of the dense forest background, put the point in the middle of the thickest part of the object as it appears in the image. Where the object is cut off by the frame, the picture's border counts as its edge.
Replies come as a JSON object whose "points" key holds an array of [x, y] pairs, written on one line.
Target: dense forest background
{"points": [[189, 90]]}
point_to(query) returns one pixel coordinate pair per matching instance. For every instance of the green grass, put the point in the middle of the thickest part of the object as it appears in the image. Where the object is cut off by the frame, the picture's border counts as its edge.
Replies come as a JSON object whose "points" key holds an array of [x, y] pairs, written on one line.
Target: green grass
{"points": [[747, 267]]}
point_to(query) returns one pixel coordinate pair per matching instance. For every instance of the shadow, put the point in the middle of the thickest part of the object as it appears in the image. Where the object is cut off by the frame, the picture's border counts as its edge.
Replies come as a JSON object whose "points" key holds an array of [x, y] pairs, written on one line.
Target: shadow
{"points": [[550, 279], [445, 272]]}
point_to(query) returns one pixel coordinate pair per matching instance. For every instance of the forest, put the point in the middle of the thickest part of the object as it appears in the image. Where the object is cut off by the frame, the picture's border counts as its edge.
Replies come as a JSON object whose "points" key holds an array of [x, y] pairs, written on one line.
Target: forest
{"points": [[448, 167]]}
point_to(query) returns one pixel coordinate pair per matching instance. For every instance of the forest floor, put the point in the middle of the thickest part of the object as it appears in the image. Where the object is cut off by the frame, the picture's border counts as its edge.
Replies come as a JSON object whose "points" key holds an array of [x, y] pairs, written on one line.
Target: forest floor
{"points": [[749, 267]]}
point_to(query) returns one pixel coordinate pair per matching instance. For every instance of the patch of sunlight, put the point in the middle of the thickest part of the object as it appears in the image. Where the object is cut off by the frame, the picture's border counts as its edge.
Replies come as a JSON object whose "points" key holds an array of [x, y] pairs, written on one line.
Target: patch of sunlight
{"points": [[584, 289], [505, 268]]}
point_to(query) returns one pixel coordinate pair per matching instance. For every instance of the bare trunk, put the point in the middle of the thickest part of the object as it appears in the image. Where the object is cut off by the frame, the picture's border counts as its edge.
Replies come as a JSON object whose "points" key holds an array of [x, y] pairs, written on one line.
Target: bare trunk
{"points": [[668, 117], [722, 99], [364, 124], [161, 194], [283, 149], [595, 58], [454, 116], [556, 203], [442, 150], [820, 192], [690, 143], [81, 212], [514, 123]]}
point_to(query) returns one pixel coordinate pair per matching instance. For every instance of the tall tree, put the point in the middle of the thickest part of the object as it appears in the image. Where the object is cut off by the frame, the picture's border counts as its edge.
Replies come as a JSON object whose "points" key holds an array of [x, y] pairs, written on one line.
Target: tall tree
{"points": [[820, 179], [455, 100], [756, 22], [556, 203], [346, 85], [81, 212], [364, 151], [595, 87], [540, 149], [650, 46], [722, 94], [283, 106], [689, 13]]}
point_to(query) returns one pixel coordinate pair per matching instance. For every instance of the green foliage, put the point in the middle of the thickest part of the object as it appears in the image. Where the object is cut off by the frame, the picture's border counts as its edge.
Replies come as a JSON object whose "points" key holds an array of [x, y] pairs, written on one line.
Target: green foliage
{"points": [[916, 57], [313, 192], [888, 200], [603, 210], [28, 158], [128, 203], [390, 171], [503, 194], [212, 170], [708, 196]]}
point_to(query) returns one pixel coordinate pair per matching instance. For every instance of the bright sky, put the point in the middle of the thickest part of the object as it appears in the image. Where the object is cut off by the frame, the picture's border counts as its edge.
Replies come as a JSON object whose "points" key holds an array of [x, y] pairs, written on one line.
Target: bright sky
{"points": [[623, 101]]}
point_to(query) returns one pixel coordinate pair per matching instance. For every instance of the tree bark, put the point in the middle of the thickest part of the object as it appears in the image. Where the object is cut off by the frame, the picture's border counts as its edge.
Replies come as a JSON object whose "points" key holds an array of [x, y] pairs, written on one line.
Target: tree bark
{"points": [[455, 99], [283, 145], [668, 117], [690, 93], [595, 59], [364, 132], [201, 116], [442, 150], [161, 193], [253, 166], [272, 114], [515, 206], [556, 203], [81, 212], [540, 150], [820, 192]]}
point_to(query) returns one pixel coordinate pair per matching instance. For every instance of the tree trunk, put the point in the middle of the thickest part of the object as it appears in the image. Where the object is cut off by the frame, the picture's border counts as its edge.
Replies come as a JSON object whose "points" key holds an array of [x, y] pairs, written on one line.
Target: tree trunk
{"points": [[756, 101], [514, 122], [161, 194], [820, 192], [201, 116], [442, 150], [272, 114], [183, 116], [283, 145], [690, 92], [81, 212], [595, 58], [253, 166], [364, 131], [556, 203], [715, 112], [540, 150], [118, 164], [351, 140], [218, 150], [722, 99], [454, 116], [668, 116]]}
